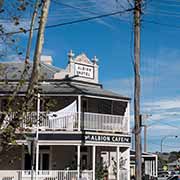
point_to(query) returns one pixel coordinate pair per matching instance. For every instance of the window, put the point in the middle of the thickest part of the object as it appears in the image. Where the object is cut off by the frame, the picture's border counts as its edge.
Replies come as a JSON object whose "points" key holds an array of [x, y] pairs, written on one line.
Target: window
{"points": [[4, 104], [44, 160], [84, 161], [27, 163], [84, 105]]}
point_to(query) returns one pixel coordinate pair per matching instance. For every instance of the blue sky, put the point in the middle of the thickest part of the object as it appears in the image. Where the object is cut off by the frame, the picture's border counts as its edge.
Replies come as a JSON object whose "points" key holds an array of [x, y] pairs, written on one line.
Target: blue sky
{"points": [[111, 40]]}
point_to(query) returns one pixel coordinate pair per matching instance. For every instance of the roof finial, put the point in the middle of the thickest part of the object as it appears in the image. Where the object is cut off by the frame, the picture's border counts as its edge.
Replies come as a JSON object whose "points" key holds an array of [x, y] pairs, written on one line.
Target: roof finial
{"points": [[70, 55], [95, 60]]}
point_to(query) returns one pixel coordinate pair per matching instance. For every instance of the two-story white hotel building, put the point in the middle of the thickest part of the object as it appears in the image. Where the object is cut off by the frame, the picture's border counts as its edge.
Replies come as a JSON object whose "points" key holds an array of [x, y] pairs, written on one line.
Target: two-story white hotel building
{"points": [[84, 135]]}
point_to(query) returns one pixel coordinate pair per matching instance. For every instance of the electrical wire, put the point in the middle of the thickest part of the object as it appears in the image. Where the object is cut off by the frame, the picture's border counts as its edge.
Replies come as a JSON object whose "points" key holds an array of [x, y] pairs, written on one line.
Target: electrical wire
{"points": [[76, 21], [164, 123], [170, 146], [85, 10]]}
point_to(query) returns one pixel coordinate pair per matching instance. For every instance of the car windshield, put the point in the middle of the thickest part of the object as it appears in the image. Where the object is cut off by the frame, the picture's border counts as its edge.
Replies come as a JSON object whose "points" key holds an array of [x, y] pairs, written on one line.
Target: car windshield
{"points": [[174, 178]]}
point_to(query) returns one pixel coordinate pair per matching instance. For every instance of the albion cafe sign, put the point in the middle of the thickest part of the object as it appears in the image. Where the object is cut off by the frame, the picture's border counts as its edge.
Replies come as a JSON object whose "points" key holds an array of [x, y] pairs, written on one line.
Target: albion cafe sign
{"points": [[107, 138]]}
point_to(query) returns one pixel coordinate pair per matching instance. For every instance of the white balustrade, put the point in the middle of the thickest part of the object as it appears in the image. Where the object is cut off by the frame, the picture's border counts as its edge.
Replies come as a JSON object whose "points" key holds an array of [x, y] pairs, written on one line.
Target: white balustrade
{"points": [[69, 122], [44, 175], [104, 122]]}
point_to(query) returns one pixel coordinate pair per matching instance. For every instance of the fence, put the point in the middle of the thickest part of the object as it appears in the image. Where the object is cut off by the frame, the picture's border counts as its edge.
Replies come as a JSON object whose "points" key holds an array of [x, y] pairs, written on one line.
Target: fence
{"points": [[45, 175]]}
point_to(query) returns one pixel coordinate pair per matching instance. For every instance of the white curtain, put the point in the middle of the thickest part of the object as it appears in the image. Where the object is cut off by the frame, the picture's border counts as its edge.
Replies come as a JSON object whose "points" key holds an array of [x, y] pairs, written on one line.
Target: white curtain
{"points": [[64, 118]]}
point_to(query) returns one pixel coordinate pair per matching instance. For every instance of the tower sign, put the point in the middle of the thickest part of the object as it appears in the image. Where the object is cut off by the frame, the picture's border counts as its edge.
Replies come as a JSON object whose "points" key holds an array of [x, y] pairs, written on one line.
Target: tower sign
{"points": [[84, 71]]}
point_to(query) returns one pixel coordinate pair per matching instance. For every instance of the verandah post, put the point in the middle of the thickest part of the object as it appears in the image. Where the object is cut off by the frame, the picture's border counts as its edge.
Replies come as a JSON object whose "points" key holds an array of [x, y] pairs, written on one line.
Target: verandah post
{"points": [[78, 160], [94, 162], [79, 112], [118, 163]]}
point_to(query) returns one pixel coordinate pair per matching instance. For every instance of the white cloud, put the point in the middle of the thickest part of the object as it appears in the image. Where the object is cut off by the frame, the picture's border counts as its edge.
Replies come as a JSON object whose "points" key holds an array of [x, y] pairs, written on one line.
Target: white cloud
{"points": [[123, 86], [167, 110], [170, 135], [161, 129]]}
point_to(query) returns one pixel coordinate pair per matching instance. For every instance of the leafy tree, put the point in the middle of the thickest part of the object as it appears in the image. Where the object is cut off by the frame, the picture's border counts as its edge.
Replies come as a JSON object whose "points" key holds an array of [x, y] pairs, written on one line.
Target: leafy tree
{"points": [[173, 156], [16, 11]]}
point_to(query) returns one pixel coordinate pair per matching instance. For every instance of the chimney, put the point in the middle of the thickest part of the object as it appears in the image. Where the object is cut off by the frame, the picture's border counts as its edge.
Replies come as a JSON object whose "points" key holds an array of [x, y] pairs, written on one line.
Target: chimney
{"points": [[46, 60]]}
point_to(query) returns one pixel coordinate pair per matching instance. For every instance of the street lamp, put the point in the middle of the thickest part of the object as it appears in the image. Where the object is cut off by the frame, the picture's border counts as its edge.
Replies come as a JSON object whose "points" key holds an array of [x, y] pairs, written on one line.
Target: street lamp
{"points": [[143, 118], [163, 138]]}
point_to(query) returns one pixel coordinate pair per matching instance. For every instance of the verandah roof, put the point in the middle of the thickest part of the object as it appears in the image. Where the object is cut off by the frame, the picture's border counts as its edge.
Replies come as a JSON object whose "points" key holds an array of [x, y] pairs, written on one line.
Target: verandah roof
{"points": [[64, 87]]}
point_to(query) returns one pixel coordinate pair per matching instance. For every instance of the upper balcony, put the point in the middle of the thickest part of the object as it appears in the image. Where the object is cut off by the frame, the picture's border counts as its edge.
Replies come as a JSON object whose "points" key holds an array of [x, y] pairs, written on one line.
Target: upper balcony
{"points": [[70, 106], [78, 114], [78, 121]]}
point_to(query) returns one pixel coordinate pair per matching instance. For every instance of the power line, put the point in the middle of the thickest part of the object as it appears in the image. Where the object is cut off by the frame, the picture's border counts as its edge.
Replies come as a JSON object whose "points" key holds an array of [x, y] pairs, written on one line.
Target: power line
{"points": [[76, 21], [168, 124], [79, 8], [164, 145]]}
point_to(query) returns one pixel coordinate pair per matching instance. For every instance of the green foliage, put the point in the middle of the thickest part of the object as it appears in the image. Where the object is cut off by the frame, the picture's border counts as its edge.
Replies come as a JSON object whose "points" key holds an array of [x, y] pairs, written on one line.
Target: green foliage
{"points": [[161, 162], [49, 104], [100, 171], [15, 12], [114, 166], [165, 158]]}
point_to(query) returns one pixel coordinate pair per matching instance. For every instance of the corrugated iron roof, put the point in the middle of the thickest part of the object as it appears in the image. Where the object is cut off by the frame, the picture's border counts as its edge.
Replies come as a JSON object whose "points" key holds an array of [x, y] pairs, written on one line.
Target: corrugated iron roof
{"points": [[48, 85], [65, 87], [13, 71]]}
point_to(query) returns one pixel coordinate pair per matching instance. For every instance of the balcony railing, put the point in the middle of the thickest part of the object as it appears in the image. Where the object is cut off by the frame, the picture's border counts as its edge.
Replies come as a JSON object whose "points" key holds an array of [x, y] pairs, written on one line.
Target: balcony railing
{"points": [[45, 175], [104, 122], [70, 122]]}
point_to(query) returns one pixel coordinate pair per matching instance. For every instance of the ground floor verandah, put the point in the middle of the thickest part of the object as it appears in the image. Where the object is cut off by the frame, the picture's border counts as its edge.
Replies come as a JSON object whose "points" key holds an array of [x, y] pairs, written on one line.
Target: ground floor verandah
{"points": [[66, 162]]}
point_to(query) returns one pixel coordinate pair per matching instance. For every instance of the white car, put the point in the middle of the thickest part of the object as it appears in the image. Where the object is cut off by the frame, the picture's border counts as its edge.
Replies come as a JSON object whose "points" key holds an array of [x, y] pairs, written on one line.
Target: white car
{"points": [[175, 177]]}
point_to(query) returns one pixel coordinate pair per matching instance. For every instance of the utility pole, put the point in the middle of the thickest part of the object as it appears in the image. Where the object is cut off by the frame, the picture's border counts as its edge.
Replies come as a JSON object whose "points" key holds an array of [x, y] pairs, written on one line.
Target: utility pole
{"points": [[138, 150]]}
